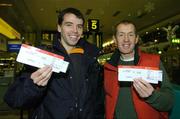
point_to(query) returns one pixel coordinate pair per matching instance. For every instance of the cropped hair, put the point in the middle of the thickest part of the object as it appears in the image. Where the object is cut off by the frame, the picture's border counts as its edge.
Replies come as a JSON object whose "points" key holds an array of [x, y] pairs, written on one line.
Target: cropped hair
{"points": [[124, 22], [74, 11]]}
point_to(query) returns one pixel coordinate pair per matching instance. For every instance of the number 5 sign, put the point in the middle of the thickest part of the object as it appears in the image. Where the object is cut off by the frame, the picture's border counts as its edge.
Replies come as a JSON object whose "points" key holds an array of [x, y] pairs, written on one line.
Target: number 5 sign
{"points": [[93, 25]]}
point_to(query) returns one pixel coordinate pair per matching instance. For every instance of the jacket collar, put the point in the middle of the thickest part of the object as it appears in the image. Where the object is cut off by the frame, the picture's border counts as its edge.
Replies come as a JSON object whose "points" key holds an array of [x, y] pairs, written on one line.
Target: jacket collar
{"points": [[88, 48], [116, 57]]}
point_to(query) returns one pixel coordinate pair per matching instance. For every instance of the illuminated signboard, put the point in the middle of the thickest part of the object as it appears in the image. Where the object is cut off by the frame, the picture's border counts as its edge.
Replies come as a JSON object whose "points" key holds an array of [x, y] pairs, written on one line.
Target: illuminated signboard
{"points": [[93, 25], [8, 31], [14, 46], [176, 40]]}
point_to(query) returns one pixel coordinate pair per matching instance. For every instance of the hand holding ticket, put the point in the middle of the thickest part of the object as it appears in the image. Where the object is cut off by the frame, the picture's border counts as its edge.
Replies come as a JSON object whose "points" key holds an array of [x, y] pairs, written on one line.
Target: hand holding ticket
{"points": [[129, 73], [39, 58]]}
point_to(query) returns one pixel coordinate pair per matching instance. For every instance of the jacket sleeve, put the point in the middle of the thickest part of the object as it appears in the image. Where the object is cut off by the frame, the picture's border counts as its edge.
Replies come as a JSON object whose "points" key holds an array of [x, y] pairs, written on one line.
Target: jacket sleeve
{"points": [[163, 98], [23, 93], [99, 108]]}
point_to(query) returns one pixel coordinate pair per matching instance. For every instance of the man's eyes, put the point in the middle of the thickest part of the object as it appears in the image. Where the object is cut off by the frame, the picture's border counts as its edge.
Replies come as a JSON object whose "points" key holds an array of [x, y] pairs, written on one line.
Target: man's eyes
{"points": [[127, 34], [68, 24], [120, 34], [79, 26], [131, 34]]}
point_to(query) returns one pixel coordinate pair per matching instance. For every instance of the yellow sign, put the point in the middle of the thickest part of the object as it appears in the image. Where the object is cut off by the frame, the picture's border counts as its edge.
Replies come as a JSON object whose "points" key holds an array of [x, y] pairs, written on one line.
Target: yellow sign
{"points": [[8, 31], [93, 25]]}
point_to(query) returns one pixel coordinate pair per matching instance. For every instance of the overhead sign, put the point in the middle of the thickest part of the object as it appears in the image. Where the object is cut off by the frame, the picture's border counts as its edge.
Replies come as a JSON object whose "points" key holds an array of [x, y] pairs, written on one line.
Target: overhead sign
{"points": [[8, 31], [14, 46], [93, 25]]}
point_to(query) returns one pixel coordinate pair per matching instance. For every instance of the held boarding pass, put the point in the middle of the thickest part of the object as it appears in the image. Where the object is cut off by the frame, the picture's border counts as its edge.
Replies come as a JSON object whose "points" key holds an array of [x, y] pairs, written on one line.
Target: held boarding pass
{"points": [[129, 73], [39, 58]]}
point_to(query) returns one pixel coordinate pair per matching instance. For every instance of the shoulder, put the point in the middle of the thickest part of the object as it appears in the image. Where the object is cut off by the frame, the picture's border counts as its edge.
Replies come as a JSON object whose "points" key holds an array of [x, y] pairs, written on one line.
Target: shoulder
{"points": [[149, 56], [149, 59], [90, 49]]}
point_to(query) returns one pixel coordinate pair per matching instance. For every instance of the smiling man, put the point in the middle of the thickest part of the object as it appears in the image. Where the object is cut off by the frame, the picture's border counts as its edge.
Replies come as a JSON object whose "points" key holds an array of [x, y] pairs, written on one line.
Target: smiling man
{"points": [[75, 94], [138, 99], [71, 29]]}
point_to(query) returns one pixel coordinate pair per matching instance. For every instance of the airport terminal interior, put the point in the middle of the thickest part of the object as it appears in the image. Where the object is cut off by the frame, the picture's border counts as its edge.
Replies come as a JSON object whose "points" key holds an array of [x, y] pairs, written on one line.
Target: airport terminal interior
{"points": [[34, 22]]}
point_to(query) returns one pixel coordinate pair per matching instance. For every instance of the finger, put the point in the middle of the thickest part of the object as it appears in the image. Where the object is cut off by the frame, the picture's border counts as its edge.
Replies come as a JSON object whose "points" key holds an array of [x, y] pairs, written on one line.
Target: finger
{"points": [[141, 88], [40, 71], [148, 86], [138, 89], [142, 83], [35, 76], [45, 69], [40, 74], [141, 93], [44, 76], [45, 80], [45, 72], [45, 83]]}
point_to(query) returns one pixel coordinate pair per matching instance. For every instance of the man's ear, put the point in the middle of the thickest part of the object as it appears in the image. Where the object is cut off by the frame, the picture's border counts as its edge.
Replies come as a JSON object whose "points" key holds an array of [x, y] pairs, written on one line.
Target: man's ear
{"points": [[114, 39], [137, 39], [58, 28]]}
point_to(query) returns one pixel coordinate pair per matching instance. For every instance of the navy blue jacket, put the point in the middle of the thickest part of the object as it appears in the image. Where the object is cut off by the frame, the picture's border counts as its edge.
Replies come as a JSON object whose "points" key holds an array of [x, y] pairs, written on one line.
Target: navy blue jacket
{"points": [[58, 99]]}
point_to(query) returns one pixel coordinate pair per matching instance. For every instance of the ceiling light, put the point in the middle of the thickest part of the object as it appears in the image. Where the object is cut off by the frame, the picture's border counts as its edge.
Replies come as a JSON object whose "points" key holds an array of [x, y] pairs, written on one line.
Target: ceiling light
{"points": [[159, 52], [6, 5]]}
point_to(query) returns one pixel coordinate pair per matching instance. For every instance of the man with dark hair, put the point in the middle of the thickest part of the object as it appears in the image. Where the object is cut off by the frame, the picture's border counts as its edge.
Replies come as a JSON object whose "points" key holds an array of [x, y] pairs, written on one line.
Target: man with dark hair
{"points": [[138, 99], [70, 10], [76, 94]]}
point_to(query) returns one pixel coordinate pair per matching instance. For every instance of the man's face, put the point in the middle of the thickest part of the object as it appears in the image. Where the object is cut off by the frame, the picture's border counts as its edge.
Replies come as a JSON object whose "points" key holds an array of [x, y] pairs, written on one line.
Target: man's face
{"points": [[126, 39], [71, 30]]}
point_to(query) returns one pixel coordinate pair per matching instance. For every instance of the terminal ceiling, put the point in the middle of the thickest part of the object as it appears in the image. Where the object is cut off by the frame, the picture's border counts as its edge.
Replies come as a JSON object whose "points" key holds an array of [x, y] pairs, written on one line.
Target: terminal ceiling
{"points": [[32, 15]]}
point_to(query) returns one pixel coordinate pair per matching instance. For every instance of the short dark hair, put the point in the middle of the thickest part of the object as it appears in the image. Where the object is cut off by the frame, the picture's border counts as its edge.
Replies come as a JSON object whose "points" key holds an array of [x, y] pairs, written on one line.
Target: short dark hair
{"points": [[124, 22], [74, 11]]}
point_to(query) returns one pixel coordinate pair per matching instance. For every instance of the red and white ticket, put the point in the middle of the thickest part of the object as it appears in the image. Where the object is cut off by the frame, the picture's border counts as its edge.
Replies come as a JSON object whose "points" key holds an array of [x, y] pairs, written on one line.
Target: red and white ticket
{"points": [[39, 58], [129, 73]]}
